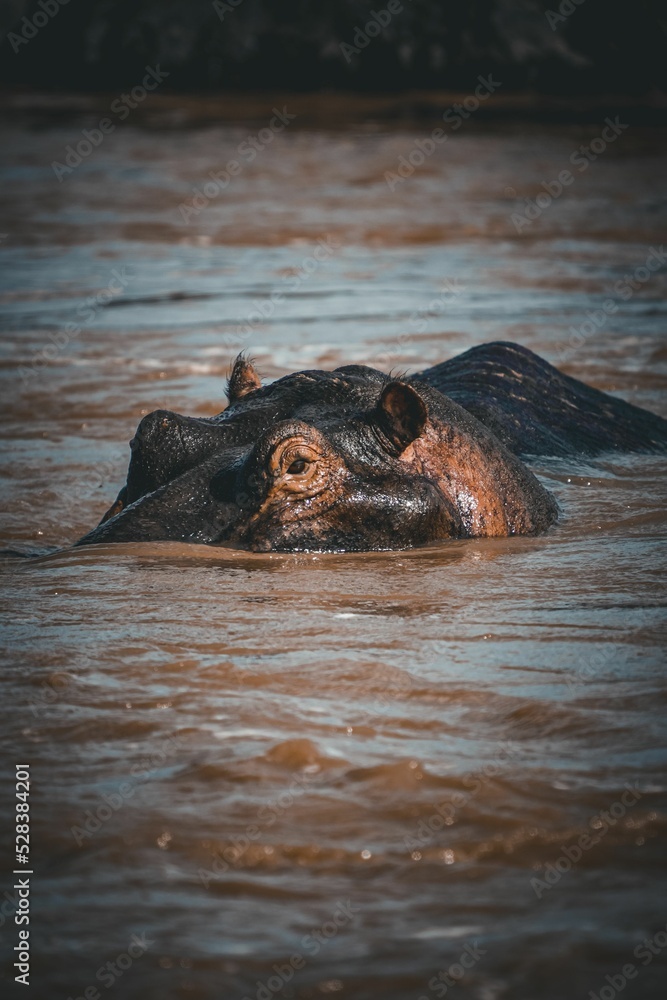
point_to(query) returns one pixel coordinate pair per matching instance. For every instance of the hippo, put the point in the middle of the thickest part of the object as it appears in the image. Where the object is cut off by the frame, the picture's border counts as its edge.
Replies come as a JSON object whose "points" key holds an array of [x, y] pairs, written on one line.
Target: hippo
{"points": [[356, 459]]}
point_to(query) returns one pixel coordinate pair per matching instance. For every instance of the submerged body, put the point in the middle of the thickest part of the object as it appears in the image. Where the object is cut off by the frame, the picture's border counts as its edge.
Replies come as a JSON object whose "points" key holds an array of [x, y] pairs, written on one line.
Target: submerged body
{"points": [[355, 460]]}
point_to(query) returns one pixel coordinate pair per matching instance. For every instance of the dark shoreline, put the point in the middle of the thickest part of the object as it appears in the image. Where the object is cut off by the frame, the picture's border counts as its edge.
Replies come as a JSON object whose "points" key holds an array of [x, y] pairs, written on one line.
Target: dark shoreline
{"points": [[335, 109]]}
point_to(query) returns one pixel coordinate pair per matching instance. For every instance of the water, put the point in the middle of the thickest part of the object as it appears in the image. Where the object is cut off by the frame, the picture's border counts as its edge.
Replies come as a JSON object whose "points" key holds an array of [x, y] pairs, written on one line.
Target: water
{"points": [[374, 764]]}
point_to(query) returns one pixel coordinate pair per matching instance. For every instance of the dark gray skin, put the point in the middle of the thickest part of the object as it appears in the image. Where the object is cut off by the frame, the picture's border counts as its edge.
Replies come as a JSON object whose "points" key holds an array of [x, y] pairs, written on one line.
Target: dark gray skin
{"points": [[536, 410], [414, 469], [388, 463]]}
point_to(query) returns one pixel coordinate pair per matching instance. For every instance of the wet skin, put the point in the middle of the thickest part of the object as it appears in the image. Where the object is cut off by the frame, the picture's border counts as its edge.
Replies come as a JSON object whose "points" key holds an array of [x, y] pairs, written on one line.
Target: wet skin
{"points": [[353, 460]]}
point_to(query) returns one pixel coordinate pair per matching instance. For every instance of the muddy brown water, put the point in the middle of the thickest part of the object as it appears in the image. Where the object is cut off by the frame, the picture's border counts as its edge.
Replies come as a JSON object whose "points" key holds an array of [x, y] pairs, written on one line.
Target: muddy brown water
{"points": [[365, 775]]}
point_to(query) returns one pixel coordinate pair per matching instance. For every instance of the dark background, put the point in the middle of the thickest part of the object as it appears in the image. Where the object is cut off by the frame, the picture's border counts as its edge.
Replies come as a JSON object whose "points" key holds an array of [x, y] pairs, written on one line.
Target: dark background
{"points": [[604, 47]]}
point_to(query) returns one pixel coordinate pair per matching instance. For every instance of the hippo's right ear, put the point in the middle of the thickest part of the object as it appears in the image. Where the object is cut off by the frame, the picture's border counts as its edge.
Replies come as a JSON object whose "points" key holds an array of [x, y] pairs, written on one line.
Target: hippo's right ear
{"points": [[401, 415], [243, 379]]}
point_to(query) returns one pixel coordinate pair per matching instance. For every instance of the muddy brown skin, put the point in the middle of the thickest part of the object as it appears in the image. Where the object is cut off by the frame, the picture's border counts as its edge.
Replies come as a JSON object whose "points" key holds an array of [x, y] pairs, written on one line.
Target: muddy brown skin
{"points": [[404, 474], [353, 460]]}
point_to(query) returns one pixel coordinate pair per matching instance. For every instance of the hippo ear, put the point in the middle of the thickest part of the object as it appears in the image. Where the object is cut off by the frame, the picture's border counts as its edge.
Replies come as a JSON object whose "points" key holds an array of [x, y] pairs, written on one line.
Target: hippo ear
{"points": [[243, 379], [401, 414], [116, 507]]}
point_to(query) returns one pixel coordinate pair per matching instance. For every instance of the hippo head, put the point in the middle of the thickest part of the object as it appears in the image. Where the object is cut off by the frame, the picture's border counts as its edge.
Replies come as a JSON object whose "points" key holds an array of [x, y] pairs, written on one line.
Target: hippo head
{"points": [[332, 484], [344, 460], [337, 487], [166, 444]]}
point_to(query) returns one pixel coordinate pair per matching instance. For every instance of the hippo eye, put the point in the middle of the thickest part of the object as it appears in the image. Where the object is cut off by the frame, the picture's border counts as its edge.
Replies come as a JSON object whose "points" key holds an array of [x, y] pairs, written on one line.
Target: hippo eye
{"points": [[297, 467]]}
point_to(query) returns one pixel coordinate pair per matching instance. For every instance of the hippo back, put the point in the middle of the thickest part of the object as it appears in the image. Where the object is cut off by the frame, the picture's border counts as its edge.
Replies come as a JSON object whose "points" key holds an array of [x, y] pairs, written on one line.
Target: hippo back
{"points": [[534, 409]]}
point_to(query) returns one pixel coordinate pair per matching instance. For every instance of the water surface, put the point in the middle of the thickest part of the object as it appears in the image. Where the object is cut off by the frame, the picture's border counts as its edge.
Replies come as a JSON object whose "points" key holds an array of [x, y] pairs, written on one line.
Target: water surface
{"points": [[374, 764]]}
